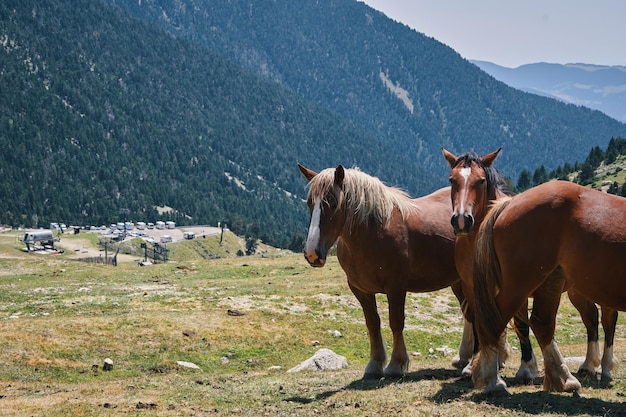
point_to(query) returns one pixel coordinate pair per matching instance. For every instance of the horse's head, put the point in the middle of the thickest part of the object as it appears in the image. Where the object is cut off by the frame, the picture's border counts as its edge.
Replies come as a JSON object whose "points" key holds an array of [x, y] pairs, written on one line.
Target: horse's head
{"points": [[474, 183], [328, 217]]}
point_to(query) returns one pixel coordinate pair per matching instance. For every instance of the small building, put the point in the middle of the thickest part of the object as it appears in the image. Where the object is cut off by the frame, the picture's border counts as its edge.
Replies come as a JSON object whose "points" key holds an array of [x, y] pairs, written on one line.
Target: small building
{"points": [[43, 238]]}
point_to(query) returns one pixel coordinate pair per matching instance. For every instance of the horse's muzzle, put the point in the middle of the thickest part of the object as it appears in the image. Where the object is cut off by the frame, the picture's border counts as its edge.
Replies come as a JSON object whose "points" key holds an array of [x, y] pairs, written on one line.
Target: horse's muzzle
{"points": [[317, 260], [462, 224]]}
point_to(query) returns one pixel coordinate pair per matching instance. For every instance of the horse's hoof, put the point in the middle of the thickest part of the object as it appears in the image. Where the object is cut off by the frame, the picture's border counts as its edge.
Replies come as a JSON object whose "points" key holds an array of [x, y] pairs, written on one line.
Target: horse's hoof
{"points": [[572, 385], [459, 363], [467, 371], [524, 380], [524, 376], [586, 373], [497, 390], [606, 377], [373, 370], [393, 374], [371, 376]]}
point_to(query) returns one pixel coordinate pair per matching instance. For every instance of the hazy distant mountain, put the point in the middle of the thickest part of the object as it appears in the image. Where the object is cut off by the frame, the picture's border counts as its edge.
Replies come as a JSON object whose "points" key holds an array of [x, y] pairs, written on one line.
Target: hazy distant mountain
{"points": [[598, 87]]}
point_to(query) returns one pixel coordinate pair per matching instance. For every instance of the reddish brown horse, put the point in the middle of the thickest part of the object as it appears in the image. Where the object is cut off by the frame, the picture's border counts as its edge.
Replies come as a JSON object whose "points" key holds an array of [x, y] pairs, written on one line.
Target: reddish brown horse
{"points": [[557, 236], [476, 184], [386, 243]]}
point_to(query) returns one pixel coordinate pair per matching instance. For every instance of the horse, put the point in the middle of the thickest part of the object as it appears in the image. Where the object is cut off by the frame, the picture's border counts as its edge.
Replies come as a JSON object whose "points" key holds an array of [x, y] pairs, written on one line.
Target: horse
{"points": [[469, 206], [555, 237], [387, 243], [475, 184]]}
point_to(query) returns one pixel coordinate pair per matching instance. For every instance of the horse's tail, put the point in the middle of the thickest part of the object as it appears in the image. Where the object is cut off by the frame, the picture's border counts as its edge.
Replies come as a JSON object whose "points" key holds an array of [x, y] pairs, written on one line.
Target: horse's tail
{"points": [[487, 279]]}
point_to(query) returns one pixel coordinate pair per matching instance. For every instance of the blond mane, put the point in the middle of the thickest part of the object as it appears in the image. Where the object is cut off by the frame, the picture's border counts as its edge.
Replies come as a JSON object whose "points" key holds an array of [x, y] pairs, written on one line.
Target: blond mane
{"points": [[365, 197]]}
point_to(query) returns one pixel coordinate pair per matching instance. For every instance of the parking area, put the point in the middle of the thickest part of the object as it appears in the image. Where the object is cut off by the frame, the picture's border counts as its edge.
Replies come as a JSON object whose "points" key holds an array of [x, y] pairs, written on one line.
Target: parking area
{"points": [[177, 233]]}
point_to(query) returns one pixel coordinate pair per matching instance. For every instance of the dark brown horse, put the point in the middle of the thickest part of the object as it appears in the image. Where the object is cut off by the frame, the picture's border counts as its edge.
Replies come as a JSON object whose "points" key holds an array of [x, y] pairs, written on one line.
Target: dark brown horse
{"points": [[557, 236], [386, 243]]}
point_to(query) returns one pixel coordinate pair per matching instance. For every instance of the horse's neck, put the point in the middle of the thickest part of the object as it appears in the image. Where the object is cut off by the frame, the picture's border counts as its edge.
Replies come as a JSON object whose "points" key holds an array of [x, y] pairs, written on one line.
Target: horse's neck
{"points": [[478, 219], [359, 232]]}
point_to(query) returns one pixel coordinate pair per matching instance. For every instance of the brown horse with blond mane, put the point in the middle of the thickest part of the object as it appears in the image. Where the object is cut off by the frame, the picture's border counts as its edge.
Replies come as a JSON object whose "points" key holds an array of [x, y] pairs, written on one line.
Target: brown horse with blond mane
{"points": [[554, 237], [387, 243]]}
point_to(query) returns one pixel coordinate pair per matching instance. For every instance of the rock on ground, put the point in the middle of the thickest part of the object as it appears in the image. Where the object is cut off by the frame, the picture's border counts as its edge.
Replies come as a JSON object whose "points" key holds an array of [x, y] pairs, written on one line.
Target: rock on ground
{"points": [[322, 360]]}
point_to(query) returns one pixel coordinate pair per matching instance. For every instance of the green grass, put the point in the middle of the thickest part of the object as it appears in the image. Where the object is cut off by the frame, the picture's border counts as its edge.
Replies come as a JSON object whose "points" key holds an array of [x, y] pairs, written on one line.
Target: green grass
{"points": [[60, 317]]}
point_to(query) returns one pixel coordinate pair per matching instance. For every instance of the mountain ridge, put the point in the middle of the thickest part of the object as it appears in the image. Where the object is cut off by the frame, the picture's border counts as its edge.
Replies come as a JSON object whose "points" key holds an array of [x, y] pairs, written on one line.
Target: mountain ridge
{"points": [[599, 87]]}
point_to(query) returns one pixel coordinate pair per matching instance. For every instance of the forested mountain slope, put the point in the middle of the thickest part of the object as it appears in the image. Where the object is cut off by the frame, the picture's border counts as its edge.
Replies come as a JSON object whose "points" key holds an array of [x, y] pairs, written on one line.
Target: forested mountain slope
{"points": [[207, 106], [412, 91], [99, 121]]}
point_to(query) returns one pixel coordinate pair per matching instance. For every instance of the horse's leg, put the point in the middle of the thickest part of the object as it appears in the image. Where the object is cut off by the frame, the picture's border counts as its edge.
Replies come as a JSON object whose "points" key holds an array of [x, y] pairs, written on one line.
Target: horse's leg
{"points": [[510, 301], [378, 356], [467, 346], [528, 369], [543, 322], [589, 314], [467, 371], [399, 362], [609, 321], [488, 362]]}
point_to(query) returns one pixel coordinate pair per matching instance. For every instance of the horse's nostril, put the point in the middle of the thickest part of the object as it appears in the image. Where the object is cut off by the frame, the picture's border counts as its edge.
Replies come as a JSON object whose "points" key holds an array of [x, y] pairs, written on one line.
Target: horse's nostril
{"points": [[454, 221], [468, 222]]}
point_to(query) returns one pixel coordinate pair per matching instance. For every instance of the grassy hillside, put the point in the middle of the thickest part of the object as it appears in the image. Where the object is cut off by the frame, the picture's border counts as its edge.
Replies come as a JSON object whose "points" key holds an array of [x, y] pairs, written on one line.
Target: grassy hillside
{"points": [[60, 319]]}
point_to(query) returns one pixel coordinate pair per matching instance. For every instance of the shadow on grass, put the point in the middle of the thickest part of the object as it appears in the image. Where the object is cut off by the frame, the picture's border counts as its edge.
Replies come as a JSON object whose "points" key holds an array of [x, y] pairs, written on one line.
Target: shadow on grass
{"points": [[454, 387], [440, 374], [542, 402], [539, 402]]}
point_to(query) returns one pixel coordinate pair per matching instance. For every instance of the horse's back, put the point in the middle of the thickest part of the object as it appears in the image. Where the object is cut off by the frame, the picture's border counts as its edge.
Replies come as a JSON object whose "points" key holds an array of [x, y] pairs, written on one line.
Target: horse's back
{"points": [[434, 212], [577, 229]]}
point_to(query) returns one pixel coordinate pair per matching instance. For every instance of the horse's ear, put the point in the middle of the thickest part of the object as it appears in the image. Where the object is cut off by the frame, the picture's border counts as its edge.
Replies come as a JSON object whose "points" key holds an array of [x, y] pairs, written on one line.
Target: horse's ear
{"points": [[450, 157], [308, 173], [339, 175], [489, 158]]}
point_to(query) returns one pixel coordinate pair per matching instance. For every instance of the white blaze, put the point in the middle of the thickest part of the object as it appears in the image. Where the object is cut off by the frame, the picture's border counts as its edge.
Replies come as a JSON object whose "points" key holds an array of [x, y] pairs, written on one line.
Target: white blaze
{"points": [[465, 173], [313, 238]]}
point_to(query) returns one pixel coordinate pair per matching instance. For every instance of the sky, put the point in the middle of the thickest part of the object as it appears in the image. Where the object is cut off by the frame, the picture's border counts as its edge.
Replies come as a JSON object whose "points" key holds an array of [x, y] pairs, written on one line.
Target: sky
{"points": [[511, 33]]}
